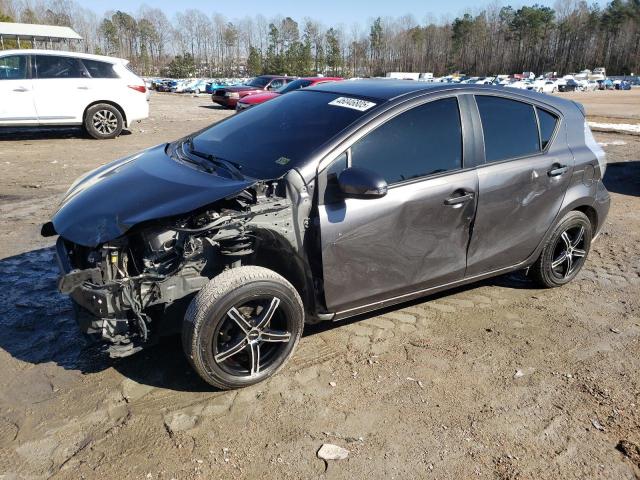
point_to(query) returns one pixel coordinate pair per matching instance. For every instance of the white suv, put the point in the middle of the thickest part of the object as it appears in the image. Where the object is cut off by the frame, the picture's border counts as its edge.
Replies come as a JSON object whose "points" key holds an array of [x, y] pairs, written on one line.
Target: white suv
{"points": [[45, 87]]}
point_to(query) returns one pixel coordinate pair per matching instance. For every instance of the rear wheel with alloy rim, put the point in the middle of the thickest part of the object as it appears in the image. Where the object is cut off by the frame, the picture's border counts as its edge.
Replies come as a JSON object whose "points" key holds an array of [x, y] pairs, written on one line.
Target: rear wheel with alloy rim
{"points": [[103, 121], [565, 252], [242, 327]]}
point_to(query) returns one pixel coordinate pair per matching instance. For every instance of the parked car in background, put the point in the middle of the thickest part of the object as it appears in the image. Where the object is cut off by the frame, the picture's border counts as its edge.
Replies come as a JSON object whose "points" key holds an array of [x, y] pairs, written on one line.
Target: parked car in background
{"points": [[179, 86], [164, 85], [521, 84], [48, 87], [323, 204], [213, 86], [605, 84], [229, 96], [197, 86], [257, 98], [587, 85], [622, 85], [545, 86], [567, 85]]}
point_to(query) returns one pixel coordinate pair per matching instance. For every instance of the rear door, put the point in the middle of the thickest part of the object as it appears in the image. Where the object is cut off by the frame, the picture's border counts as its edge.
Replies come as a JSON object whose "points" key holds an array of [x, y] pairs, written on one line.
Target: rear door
{"points": [[417, 235], [522, 183], [61, 86], [103, 83], [16, 91]]}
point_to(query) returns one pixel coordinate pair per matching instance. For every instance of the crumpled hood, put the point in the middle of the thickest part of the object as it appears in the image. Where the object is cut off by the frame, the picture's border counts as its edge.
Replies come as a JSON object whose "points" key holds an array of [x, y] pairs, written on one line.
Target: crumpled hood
{"points": [[149, 185]]}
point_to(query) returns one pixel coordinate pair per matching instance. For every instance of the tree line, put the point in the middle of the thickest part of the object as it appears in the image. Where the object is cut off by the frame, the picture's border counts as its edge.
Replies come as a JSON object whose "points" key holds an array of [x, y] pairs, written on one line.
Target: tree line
{"points": [[572, 36]]}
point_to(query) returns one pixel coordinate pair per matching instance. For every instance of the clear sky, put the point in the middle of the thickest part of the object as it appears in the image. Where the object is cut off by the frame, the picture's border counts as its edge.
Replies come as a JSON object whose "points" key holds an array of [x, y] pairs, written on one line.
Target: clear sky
{"points": [[325, 11]]}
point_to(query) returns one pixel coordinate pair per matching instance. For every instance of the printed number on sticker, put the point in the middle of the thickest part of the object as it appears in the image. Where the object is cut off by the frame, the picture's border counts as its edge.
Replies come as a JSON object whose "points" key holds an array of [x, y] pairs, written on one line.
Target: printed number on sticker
{"points": [[354, 103]]}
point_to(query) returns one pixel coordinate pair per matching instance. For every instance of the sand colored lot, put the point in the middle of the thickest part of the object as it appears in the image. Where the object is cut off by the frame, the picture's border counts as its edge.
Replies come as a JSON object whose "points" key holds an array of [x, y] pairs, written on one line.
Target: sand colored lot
{"points": [[498, 380]]}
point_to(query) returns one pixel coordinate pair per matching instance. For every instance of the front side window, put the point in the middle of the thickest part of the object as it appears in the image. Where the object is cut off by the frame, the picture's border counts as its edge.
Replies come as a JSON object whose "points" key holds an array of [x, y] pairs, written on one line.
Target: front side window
{"points": [[509, 126], [53, 66], [99, 69], [276, 84], [13, 67], [258, 82], [422, 141]]}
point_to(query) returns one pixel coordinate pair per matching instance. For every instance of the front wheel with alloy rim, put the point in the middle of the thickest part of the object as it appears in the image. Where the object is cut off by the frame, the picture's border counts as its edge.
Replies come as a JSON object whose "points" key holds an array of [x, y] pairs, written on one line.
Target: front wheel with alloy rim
{"points": [[103, 121], [242, 327], [564, 254]]}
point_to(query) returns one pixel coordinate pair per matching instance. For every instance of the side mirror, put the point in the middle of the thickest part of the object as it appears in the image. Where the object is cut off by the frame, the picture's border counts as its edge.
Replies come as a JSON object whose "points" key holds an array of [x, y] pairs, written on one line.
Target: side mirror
{"points": [[361, 183]]}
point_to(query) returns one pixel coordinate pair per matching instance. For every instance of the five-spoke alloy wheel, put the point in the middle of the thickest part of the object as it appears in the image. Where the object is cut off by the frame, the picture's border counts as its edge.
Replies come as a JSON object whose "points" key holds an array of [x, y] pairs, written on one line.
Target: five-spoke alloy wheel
{"points": [[569, 253], [242, 327], [565, 252]]}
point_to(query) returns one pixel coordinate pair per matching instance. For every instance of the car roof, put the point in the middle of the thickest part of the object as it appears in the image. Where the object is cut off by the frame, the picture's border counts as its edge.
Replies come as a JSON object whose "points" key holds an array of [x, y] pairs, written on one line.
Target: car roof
{"points": [[321, 79], [383, 91], [88, 56], [277, 76], [376, 88]]}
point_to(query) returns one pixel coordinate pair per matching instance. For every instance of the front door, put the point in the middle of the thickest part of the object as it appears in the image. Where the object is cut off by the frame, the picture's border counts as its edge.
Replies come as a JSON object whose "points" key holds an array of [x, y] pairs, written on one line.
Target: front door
{"points": [[16, 91], [417, 235]]}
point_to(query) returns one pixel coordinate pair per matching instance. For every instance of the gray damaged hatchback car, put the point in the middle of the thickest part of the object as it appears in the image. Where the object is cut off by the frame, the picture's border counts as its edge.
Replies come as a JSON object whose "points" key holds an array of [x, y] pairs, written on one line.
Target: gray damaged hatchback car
{"points": [[323, 204]]}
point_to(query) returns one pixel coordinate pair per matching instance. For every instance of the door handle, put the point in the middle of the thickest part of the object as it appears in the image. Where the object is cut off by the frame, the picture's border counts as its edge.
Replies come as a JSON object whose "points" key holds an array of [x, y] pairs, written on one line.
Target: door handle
{"points": [[21, 89], [459, 199], [557, 170]]}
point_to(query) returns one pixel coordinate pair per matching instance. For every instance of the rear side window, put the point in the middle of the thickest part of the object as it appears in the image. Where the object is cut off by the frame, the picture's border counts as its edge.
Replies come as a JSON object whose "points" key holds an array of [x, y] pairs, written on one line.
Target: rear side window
{"points": [[13, 67], [53, 66], [424, 140], [510, 128], [99, 69], [548, 122]]}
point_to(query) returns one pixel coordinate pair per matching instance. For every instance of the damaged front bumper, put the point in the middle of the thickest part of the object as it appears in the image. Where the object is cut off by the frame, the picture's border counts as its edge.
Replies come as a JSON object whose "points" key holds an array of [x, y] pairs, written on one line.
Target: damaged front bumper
{"points": [[96, 309]]}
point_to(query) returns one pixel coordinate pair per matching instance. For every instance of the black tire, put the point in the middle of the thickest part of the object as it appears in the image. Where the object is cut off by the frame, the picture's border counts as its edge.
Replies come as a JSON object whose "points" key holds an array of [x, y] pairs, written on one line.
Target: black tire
{"points": [[103, 121], [565, 252], [212, 329]]}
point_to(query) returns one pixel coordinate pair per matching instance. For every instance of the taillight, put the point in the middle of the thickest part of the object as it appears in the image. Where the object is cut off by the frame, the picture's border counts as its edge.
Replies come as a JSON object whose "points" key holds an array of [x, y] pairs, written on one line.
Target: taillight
{"points": [[138, 88]]}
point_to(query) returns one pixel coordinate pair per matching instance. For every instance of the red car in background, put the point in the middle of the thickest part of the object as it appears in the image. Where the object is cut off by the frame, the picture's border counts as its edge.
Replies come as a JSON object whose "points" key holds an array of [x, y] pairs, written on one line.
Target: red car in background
{"points": [[229, 96], [257, 98]]}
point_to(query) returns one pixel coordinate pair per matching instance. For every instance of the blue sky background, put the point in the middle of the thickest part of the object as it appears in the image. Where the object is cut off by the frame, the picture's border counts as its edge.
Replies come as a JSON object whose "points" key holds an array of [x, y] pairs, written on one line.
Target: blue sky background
{"points": [[325, 11]]}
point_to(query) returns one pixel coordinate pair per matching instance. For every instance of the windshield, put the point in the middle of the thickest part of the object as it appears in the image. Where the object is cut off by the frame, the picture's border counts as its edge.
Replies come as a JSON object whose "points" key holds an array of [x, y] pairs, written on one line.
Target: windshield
{"points": [[295, 85], [259, 82], [266, 141]]}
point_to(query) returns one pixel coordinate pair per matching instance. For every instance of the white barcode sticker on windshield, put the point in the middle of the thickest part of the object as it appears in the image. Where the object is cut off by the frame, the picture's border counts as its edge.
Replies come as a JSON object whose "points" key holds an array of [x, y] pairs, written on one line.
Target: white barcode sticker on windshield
{"points": [[355, 103]]}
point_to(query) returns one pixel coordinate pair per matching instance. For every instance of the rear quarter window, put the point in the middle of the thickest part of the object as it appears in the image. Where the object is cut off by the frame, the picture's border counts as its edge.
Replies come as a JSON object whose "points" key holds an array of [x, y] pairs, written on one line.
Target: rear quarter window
{"points": [[509, 126], [99, 69], [548, 122]]}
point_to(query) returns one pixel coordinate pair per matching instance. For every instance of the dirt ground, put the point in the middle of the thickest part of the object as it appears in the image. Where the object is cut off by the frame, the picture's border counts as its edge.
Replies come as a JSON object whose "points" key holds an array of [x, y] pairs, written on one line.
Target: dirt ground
{"points": [[496, 380]]}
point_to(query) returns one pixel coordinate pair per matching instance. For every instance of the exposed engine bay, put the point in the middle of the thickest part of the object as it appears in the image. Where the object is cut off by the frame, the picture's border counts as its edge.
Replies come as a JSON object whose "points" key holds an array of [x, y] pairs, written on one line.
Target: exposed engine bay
{"points": [[125, 290]]}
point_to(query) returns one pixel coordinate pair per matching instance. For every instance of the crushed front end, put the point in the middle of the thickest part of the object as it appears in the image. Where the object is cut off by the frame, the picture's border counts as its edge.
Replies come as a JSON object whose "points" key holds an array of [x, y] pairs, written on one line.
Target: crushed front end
{"points": [[129, 291]]}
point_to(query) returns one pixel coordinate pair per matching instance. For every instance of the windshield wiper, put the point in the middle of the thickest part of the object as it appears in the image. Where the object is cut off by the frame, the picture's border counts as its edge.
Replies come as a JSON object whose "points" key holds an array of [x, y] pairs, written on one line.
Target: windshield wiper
{"points": [[220, 162], [181, 155]]}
